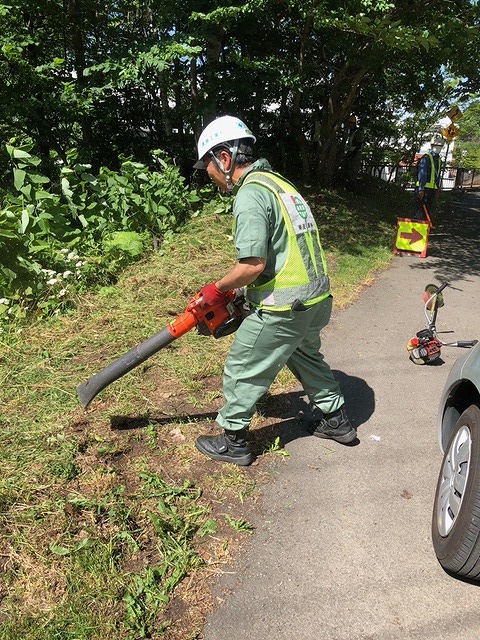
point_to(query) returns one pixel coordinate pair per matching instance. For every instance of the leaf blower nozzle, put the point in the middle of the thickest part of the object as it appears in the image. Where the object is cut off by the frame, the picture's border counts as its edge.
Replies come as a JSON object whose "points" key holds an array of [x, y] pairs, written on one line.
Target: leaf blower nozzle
{"points": [[217, 320]]}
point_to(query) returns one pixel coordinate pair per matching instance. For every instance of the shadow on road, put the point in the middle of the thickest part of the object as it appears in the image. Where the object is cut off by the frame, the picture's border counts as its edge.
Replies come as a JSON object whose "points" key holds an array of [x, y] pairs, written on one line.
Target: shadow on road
{"points": [[290, 411], [295, 412], [455, 240], [359, 398]]}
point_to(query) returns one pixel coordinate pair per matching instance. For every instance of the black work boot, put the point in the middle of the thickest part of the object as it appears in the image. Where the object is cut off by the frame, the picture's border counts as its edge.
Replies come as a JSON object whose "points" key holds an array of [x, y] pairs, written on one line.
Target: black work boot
{"points": [[335, 426], [229, 446]]}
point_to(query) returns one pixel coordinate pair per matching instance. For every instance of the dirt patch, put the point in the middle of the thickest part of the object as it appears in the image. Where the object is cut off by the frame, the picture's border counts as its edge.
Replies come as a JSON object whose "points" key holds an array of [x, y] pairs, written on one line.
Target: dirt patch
{"points": [[111, 453]]}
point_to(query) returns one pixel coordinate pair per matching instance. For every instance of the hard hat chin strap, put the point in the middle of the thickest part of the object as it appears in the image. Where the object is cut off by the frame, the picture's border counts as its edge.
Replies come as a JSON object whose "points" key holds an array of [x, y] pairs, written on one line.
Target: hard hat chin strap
{"points": [[228, 174]]}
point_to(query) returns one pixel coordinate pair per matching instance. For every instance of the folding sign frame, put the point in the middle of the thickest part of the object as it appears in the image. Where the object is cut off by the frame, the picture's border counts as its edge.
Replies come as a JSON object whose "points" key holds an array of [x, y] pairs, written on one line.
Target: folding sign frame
{"points": [[411, 237]]}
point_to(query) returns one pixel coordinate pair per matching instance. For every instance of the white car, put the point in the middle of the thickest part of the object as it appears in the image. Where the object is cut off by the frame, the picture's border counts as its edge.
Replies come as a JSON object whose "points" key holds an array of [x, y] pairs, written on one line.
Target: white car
{"points": [[456, 513]]}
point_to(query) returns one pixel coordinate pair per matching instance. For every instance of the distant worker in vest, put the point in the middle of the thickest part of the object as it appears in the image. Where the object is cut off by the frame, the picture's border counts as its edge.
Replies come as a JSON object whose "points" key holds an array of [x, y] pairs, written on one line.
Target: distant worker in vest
{"points": [[282, 268], [428, 179]]}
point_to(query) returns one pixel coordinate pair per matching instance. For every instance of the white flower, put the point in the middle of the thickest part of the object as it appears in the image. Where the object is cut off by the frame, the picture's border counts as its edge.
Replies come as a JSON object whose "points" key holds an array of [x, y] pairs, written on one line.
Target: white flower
{"points": [[71, 256], [52, 281], [80, 263], [62, 292], [66, 274], [4, 301]]}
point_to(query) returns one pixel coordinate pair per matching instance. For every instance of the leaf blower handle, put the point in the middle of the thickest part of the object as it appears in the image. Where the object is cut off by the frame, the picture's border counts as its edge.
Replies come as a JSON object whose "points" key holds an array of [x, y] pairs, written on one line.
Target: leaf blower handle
{"points": [[211, 296]]}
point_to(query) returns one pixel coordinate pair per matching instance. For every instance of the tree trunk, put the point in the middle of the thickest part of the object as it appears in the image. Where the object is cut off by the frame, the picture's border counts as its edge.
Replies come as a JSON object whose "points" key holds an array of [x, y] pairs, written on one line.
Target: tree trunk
{"points": [[74, 30], [205, 99], [337, 108], [75, 33], [297, 119], [166, 123]]}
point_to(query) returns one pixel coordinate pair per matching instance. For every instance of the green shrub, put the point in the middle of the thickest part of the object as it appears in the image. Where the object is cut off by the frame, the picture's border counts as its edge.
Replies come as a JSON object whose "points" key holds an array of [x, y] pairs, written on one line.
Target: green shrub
{"points": [[59, 239]]}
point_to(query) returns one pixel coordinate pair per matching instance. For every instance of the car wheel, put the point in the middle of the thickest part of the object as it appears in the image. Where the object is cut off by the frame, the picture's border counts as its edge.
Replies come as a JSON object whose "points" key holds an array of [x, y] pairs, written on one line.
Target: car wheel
{"points": [[456, 512]]}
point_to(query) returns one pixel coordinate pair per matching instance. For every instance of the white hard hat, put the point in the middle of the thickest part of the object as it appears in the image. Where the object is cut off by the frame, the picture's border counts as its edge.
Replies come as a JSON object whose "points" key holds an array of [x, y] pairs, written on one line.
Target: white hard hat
{"points": [[437, 142], [223, 129]]}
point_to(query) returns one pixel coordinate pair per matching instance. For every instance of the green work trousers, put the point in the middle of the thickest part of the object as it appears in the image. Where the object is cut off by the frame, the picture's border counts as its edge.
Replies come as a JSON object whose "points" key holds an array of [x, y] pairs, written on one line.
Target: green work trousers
{"points": [[263, 344]]}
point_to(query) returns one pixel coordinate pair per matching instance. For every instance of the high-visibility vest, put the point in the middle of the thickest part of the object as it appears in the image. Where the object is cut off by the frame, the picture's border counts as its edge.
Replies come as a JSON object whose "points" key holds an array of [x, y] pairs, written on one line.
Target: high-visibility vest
{"points": [[303, 277], [432, 183]]}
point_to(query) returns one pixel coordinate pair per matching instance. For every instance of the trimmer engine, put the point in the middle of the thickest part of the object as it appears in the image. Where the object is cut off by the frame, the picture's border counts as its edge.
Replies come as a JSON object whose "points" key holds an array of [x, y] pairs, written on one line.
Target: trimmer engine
{"points": [[424, 347]]}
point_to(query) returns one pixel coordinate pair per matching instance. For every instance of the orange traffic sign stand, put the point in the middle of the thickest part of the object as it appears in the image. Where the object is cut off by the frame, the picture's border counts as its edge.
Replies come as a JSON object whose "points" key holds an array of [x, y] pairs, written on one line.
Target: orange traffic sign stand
{"points": [[411, 236]]}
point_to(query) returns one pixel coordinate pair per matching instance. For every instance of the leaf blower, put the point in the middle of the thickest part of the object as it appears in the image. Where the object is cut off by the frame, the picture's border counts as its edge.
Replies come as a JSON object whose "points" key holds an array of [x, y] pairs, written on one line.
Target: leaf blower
{"points": [[425, 346], [216, 320]]}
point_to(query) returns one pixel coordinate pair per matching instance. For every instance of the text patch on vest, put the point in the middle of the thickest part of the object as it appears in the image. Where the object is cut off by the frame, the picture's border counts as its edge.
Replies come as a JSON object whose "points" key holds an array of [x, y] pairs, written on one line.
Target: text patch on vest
{"points": [[299, 213]]}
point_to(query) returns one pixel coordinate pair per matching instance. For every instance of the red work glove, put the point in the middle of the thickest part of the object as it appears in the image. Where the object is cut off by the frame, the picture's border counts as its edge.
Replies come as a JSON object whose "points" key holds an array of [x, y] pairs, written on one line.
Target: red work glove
{"points": [[211, 295]]}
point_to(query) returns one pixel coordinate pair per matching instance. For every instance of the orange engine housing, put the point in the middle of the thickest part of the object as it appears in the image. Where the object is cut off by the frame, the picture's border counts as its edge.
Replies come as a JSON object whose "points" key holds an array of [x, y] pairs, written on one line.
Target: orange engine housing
{"points": [[209, 320]]}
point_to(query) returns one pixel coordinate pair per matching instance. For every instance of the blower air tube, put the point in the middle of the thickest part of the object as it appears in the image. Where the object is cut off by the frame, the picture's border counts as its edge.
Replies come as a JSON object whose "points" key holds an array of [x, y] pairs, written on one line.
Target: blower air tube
{"points": [[122, 365]]}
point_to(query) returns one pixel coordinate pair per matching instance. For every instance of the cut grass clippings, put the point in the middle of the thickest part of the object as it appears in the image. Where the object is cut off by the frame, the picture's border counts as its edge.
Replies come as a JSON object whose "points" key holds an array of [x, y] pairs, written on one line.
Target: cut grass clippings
{"points": [[112, 524]]}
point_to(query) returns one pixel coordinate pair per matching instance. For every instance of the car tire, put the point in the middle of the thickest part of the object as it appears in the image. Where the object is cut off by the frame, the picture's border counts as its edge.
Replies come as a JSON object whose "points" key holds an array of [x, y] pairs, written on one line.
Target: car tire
{"points": [[456, 511]]}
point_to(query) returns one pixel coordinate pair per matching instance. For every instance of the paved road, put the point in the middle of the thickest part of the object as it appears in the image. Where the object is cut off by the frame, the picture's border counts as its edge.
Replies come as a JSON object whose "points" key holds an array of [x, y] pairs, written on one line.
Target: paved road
{"points": [[342, 548]]}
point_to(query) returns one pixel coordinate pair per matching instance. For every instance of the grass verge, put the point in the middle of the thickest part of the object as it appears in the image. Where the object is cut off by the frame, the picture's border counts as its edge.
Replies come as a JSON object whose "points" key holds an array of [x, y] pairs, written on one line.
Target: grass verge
{"points": [[112, 524]]}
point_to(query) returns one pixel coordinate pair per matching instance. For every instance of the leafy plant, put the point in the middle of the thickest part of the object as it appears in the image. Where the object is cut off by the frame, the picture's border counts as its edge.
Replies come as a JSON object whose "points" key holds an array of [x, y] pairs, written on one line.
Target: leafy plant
{"points": [[176, 520], [57, 239], [276, 447], [239, 524]]}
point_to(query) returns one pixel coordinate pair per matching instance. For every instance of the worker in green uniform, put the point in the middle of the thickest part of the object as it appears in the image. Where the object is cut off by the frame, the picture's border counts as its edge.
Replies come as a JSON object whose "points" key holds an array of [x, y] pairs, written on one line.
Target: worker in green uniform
{"points": [[281, 265]]}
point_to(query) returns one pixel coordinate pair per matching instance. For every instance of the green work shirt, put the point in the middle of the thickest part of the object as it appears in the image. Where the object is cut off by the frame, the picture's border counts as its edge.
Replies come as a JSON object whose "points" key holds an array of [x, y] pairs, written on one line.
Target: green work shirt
{"points": [[259, 230]]}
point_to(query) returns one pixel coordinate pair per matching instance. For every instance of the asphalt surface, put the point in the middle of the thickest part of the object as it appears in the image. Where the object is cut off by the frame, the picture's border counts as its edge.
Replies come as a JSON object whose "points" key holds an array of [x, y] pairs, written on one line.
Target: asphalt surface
{"points": [[342, 548]]}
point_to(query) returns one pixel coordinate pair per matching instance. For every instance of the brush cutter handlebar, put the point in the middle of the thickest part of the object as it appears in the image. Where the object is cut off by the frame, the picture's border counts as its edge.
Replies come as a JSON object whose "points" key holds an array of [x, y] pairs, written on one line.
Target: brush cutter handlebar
{"points": [[425, 347]]}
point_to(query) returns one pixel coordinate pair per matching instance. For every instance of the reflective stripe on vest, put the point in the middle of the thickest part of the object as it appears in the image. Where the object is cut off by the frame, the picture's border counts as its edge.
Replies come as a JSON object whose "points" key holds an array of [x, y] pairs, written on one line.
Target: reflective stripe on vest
{"points": [[303, 277], [432, 183]]}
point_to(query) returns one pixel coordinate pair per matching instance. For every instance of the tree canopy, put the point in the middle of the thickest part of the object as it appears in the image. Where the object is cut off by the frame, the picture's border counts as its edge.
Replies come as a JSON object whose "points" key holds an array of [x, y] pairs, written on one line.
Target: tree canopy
{"points": [[124, 78]]}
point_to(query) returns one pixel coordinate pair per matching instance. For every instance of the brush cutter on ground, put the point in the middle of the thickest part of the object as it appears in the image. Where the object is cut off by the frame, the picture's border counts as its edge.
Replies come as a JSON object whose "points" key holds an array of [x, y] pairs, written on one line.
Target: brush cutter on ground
{"points": [[217, 321], [425, 346]]}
